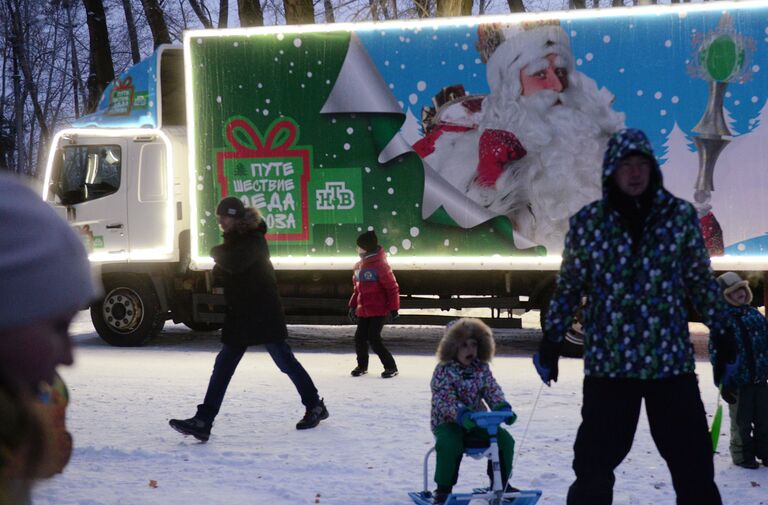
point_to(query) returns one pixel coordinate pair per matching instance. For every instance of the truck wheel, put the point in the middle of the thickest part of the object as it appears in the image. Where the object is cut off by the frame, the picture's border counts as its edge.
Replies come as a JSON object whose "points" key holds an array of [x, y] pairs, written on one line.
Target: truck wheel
{"points": [[573, 347], [198, 326], [129, 314]]}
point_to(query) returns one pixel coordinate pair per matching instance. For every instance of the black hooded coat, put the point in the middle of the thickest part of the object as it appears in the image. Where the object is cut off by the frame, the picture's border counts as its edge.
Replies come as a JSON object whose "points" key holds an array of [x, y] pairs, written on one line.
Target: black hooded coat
{"points": [[243, 268]]}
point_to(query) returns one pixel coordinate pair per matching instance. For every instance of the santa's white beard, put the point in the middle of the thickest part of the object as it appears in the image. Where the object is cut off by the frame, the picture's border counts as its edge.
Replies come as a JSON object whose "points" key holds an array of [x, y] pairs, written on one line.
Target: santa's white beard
{"points": [[562, 169]]}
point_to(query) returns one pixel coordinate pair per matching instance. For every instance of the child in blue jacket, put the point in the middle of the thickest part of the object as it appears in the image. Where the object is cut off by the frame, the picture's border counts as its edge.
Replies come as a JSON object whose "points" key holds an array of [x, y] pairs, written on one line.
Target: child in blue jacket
{"points": [[748, 393]]}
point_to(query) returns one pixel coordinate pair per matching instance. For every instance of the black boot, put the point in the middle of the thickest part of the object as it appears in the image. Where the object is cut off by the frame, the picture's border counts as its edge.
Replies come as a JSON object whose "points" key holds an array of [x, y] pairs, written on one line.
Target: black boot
{"points": [[194, 426], [313, 416], [441, 494], [358, 371]]}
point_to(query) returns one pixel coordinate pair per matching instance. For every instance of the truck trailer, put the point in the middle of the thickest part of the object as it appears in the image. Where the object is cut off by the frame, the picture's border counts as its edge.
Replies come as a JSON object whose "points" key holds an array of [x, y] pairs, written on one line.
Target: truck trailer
{"points": [[464, 143]]}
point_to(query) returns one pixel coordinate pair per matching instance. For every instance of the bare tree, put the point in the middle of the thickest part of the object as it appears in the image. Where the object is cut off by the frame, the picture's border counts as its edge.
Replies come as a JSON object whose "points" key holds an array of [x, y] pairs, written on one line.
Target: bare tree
{"points": [[422, 8], [202, 13], [156, 22], [223, 13], [516, 5], [299, 12], [454, 8], [20, 57], [132, 36], [250, 13], [102, 69]]}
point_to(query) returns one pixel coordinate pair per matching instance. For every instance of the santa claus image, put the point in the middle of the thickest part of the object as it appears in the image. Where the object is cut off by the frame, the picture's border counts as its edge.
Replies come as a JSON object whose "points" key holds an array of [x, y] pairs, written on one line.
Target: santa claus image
{"points": [[532, 148]]}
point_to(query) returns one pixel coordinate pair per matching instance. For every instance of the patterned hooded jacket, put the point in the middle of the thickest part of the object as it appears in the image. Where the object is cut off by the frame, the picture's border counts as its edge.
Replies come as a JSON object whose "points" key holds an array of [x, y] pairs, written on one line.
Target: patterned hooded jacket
{"points": [[456, 387], [750, 329], [635, 318]]}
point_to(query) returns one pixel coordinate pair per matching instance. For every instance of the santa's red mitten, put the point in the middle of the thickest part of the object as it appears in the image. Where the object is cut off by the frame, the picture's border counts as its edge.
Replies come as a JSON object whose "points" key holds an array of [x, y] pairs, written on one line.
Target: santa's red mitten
{"points": [[496, 148], [713, 234]]}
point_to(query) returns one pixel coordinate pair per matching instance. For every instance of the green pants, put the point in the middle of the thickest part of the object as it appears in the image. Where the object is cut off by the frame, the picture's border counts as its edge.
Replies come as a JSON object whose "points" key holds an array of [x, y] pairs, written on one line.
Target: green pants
{"points": [[749, 424], [450, 440]]}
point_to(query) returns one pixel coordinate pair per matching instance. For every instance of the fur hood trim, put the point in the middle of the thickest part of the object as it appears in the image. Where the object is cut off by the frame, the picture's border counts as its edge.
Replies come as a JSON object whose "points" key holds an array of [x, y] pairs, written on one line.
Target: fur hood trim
{"points": [[461, 329]]}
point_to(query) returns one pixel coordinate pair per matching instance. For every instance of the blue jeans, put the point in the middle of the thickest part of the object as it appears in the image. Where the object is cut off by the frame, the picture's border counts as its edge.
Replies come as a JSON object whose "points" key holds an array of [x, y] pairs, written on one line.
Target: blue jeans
{"points": [[226, 363]]}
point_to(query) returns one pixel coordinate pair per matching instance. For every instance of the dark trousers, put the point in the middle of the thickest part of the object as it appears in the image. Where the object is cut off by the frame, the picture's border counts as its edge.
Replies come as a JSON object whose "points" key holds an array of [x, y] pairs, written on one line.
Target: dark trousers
{"points": [[678, 424], [226, 363], [369, 332], [749, 424]]}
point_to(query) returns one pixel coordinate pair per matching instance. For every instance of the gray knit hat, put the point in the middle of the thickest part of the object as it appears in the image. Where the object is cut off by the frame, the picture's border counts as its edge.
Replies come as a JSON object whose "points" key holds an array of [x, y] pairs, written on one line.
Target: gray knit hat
{"points": [[44, 269], [730, 282]]}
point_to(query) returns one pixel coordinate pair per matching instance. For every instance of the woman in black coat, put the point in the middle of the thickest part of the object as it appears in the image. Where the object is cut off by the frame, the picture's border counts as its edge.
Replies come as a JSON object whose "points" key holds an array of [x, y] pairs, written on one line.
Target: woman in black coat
{"points": [[254, 316]]}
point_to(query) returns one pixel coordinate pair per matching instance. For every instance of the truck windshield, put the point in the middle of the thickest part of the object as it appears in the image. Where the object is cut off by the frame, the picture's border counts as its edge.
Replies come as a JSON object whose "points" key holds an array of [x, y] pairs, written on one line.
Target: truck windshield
{"points": [[83, 173]]}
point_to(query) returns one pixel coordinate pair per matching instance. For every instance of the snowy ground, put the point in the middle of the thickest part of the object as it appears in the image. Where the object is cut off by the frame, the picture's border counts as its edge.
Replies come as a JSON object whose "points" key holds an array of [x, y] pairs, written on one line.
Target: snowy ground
{"points": [[369, 451]]}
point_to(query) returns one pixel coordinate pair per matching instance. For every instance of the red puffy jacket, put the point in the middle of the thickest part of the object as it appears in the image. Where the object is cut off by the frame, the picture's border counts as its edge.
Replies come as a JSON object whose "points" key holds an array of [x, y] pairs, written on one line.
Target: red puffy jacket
{"points": [[376, 291]]}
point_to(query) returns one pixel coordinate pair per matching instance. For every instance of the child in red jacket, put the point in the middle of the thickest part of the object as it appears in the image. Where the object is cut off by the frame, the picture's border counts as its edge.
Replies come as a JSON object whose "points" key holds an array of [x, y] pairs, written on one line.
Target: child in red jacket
{"points": [[375, 300]]}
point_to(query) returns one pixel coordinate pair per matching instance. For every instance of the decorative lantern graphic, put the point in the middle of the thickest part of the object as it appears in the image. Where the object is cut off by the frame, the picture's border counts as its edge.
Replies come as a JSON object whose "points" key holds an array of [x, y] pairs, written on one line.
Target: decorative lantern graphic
{"points": [[721, 57]]}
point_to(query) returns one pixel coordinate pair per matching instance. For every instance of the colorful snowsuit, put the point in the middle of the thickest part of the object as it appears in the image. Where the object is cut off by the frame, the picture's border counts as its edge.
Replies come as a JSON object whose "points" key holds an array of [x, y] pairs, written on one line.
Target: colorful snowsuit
{"points": [[749, 415], [637, 260], [375, 295], [456, 388]]}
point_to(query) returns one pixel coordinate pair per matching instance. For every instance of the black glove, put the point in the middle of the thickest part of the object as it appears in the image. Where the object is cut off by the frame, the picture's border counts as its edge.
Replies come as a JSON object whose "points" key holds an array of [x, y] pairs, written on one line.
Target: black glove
{"points": [[393, 314], [545, 361], [730, 395], [352, 315]]}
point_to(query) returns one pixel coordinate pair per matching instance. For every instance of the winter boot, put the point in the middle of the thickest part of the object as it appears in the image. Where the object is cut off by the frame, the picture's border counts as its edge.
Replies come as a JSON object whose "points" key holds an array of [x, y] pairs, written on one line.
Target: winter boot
{"points": [[389, 373], [313, 416], [358, 371], [441, 494], [194, 426], [749, 464]]}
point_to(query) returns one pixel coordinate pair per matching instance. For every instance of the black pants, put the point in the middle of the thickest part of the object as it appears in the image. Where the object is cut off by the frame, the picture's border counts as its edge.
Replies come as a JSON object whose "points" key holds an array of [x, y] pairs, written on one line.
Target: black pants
{"points": [[226, 363], [369, 332], [678, 426]]}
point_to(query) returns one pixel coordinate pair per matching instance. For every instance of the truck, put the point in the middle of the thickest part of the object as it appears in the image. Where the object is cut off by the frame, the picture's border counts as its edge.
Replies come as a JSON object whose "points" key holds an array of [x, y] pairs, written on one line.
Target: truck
{"points": [[465, 143]]}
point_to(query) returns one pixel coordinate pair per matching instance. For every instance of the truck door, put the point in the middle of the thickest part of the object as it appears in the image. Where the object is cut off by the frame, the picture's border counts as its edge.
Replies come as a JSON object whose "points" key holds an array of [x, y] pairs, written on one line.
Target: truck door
{"points": [[149, 202], [88, 182]]}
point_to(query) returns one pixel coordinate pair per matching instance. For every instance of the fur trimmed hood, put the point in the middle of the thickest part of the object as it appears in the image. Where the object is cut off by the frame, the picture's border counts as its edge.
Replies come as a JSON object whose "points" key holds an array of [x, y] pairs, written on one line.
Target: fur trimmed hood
{"points": [[461, 329], [251, 221]]}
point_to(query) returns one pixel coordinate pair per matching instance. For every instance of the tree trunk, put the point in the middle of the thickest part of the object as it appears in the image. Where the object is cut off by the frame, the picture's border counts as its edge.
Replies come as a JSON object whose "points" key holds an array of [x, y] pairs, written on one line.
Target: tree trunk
{"points": [[223, 13], [132, 36], [201, 14], [516, 5], [18, 45], [102, 71], [78, 88], [250, 13], [18, 107], [156, 22], [374, 4], [298, 12], [328, 11], [579, 4], [446, 8], [422, 8]]}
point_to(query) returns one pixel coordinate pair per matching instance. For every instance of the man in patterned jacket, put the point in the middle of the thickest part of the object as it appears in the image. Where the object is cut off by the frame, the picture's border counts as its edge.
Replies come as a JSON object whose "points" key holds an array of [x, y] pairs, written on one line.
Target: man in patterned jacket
{"points": [[637, 255]]}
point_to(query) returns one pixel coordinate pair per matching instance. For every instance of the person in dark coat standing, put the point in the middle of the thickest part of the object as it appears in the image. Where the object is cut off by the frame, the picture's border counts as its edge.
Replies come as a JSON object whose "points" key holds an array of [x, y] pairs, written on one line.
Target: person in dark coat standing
{"points": [[254, 317], [637, 255], [375, 300]]}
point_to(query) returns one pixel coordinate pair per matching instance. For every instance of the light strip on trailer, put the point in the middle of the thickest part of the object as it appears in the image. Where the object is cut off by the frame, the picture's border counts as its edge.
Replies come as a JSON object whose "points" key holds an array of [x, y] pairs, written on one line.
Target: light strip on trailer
{"points": [[609, 12], [477, 263], [163, 251]]}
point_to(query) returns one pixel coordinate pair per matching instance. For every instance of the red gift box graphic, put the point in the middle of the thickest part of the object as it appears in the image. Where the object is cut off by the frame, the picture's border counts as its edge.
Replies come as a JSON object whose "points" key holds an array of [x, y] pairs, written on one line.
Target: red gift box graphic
{"points": [[121, 98], [275, 162]]}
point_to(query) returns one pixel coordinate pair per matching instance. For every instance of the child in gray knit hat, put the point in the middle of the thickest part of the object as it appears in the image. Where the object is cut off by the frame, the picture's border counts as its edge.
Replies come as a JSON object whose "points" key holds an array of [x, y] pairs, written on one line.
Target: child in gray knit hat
{"points": [[45, 278], [748, 393]]}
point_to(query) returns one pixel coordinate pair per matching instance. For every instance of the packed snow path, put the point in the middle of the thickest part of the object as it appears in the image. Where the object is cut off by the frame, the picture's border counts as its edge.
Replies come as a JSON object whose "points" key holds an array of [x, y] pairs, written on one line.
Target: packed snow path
{"points": [[369, 451]]}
